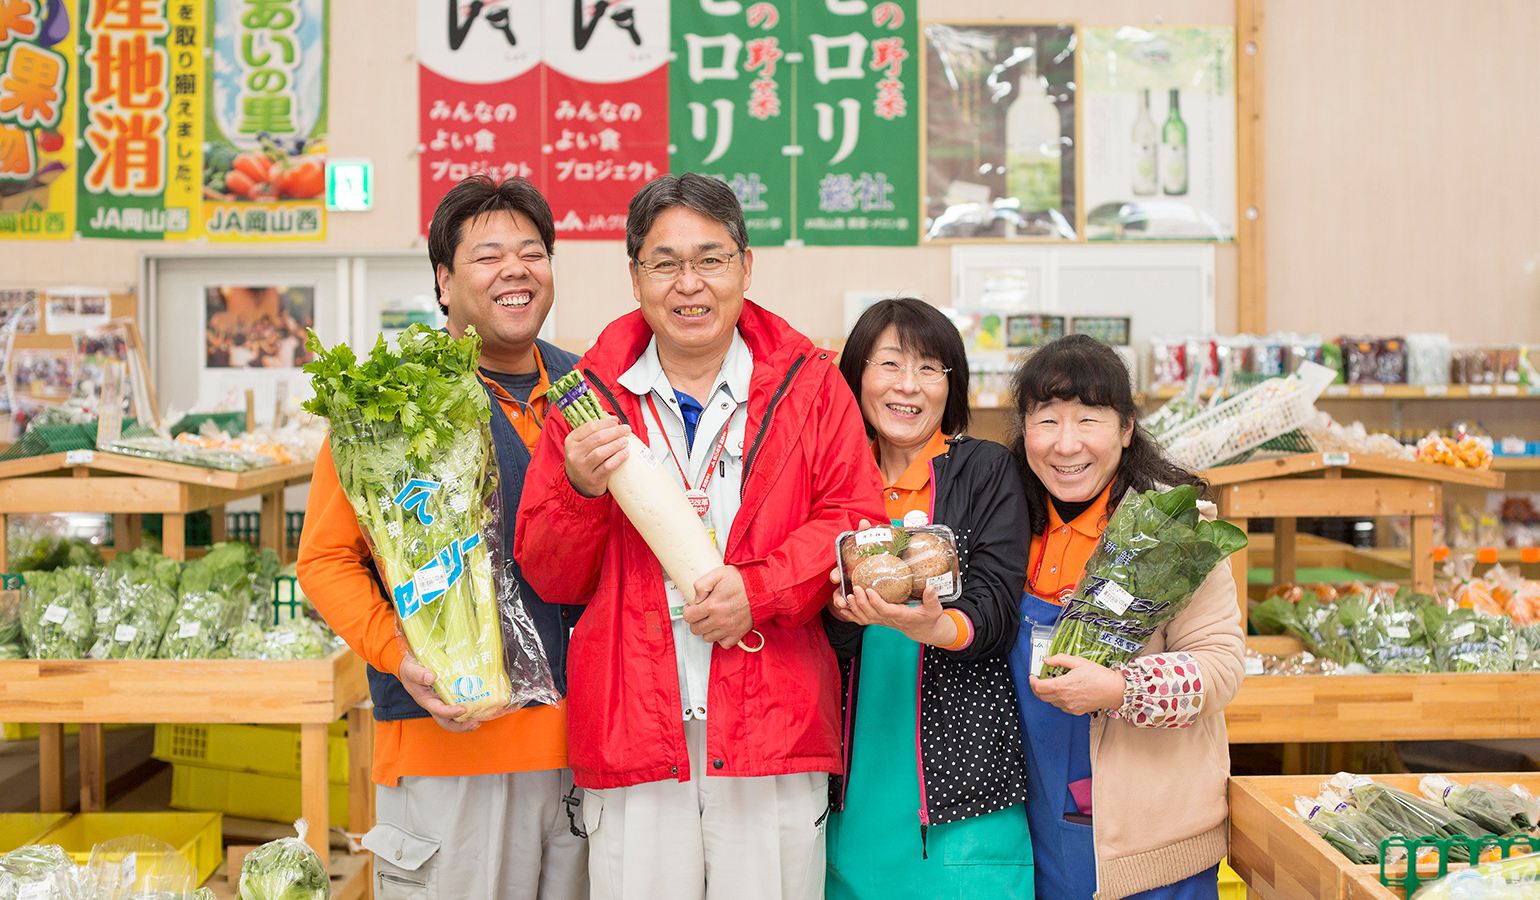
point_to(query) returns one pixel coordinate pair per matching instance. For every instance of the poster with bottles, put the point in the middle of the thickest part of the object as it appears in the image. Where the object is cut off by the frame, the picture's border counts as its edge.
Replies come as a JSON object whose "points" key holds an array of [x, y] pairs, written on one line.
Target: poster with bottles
{"points": [[1159, 126], [731, 95], [264, 173], [858, 123], [37, 120], [1001, 132], [479, 94]]}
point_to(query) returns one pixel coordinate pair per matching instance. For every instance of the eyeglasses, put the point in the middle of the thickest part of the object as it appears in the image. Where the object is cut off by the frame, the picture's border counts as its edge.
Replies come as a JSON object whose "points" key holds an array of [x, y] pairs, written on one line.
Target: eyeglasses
{"points": [[706, 265], [893, 370]]}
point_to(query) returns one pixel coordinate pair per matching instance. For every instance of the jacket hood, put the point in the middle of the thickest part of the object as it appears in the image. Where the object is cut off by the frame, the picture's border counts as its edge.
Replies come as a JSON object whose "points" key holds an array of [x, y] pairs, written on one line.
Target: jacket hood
{"points": [[769, 337]]}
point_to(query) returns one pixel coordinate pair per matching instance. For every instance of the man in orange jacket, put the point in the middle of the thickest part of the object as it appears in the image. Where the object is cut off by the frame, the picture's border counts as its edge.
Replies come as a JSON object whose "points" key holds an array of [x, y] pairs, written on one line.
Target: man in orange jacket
{"points": [[472, 810]]}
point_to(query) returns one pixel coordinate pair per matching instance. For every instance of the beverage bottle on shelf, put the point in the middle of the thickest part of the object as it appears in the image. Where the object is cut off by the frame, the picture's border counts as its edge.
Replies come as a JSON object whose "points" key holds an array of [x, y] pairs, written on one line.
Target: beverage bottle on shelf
{"points": [[1032, 164], [1145, 178], [1173, 150]]}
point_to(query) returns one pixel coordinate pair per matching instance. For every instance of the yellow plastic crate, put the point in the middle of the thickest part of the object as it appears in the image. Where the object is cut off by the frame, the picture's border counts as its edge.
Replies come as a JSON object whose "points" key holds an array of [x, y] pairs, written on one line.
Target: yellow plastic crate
{"points": [[1231, 887], [20, 829], [259, 749], [254, 796], [197, 835]]}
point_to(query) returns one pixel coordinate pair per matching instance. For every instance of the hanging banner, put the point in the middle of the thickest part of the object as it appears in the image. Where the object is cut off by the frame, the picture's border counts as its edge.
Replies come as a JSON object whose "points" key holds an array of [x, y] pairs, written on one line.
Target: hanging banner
{"points": [[479, 93], [1160, 133], [858, 123], [731, 100], [37, 120], [265, 128], [606, 111]]}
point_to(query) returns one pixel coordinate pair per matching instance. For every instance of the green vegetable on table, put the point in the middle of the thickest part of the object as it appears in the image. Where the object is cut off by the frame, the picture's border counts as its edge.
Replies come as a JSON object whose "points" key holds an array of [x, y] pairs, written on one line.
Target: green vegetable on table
{"points": [[412, 445], [57, 618], [297, 638], [1467, 640], [1389, 633], [1154, 554], [1409, 815], [285, 869], [1486, 803], [1526, 648], [38, 872]]}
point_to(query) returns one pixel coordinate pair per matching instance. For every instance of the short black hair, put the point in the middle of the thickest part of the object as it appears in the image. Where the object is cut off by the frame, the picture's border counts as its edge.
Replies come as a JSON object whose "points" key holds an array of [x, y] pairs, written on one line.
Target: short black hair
{"points": [[477, 196], [1081, 368], [922, 330], [711, 197]]}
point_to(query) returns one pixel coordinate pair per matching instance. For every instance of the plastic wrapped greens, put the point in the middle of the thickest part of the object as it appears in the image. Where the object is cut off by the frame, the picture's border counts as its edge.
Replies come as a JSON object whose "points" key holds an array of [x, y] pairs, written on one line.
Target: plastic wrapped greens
{"points": [[1389, 634], [1410, 816], [137, 868], [1466, 640], [131, 619], [1486, 803], [10, 617], [13, 651], [298, 638], [1352, 831], [1325, 628], [201, 626], [285, 869], [1514, 878], [43, 872], [146, 566], [217, 596], [1526, 648], [56, 615], [1154, 554]]}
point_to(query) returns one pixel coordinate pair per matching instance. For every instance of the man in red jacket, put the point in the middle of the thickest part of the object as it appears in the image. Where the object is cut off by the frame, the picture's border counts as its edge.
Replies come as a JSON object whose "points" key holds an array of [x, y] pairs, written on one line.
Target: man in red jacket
{"points": [[703, 734]]}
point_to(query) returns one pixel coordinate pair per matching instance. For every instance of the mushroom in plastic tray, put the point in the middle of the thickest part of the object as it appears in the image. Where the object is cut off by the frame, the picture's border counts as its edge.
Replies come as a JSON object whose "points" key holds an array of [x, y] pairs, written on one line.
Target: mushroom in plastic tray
{"points": [[897, 563]]}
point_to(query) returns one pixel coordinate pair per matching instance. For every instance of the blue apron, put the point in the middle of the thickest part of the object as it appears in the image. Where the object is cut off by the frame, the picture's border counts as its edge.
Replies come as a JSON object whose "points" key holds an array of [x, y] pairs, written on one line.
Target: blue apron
{"points": [[1058, 748]]}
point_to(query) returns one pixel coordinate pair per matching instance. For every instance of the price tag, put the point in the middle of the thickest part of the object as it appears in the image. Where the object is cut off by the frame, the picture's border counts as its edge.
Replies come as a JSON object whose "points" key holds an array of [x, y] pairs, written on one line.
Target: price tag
{"points": [[1254, 666], [879, 535], [125, 633], [1371, 390], [1481, 390], [1514, 446], [103, 614], [34, 890], [285, 638], [1507, 390], [431, 580], [1400, 632], [129, 869], [1337, 390], [1435, 390], [1338, 458], [55, 614], [649, 459], [79, 458], [188, 630], [1463, 631], [1114, 597], [942, 584], [1042, 636]]}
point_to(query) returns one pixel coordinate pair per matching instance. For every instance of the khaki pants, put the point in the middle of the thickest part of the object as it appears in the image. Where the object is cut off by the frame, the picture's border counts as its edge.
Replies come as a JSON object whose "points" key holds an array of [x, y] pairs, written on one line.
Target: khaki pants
{"points": [[711, 838], [478, 837]]}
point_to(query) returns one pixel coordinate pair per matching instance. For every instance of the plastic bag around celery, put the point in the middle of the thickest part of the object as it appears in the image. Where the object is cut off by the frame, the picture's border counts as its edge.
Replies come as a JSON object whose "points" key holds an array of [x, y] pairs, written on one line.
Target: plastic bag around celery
{"points": [[435, 535], [41, 872], [1155, 553], [138, 867], [285, 869], [1486, 803]]}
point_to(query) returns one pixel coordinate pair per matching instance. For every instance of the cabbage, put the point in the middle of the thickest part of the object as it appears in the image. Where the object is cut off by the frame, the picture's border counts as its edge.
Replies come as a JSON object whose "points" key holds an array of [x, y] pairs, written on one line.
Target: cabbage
{"points": [[285, 869]]}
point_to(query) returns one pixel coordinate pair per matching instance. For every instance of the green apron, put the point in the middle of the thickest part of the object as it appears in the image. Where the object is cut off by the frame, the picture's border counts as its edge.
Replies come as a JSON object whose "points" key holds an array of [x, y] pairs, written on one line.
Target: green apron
{"points": [[875, 849]]}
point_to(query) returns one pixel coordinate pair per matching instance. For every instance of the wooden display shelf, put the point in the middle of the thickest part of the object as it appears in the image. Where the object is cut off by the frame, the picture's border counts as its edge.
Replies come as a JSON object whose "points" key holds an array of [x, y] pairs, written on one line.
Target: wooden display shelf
{"points": [[1281, 859], [1345, 708], [312, 693], [1330, 485], [1516, 463], [127, 487]]}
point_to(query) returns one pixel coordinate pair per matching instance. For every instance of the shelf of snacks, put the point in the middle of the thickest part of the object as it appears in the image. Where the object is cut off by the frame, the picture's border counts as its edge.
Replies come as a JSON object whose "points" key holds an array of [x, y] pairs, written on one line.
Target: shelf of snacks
{"points": [[1290, 836]]}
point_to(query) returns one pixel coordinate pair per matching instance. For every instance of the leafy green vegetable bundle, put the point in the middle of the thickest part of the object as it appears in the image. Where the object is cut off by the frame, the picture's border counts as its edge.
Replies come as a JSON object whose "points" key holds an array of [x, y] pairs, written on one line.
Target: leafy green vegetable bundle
{"points": [[1155, 553], [1408, 815], [44, 872], [412, 444], [1389, 633], [298, 638], [1486, 803], [229, 585], [1526, 648], [56, 613], [285, 869], [1468, 640], [134, 600]]}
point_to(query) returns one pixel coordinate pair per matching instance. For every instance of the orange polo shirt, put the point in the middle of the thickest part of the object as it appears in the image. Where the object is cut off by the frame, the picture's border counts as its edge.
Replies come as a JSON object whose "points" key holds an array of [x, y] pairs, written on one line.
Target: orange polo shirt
{"points": [[334, 563], [912, 491], [1060, 553]]}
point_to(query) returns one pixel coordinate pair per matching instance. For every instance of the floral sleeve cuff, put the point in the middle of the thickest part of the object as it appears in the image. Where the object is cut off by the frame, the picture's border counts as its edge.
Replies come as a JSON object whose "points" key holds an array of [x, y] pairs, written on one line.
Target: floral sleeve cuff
{"points": [[1164, 690]]}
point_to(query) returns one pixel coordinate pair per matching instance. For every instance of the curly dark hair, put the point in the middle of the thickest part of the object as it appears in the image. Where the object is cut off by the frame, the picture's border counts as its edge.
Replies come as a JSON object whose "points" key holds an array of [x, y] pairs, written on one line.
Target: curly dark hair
{"points": [[1081, 368]]}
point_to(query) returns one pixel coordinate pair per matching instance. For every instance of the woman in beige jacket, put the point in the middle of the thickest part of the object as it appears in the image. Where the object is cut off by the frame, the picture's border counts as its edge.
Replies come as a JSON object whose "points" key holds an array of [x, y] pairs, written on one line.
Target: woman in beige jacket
{"points": [[1127, 766]]}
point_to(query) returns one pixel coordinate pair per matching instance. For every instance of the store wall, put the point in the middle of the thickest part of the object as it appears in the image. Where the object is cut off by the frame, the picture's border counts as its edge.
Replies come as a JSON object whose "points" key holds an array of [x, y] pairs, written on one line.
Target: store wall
{"points": [[1400, 155]]}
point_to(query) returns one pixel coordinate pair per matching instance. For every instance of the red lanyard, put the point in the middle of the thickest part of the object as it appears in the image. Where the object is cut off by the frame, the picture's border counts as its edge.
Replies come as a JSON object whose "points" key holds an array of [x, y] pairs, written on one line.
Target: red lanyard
{"points": [[696, 496], [1037, 569]]}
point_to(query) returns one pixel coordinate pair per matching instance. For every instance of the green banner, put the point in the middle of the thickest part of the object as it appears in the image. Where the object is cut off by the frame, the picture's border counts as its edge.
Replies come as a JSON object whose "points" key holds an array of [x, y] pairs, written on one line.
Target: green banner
{"points": [[858, 104], [731, 105]]}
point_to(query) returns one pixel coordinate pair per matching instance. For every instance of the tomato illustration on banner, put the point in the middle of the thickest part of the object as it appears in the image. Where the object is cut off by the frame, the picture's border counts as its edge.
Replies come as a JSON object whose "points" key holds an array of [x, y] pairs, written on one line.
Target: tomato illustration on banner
{"points": [[606, 110], [479, 107], [37, 120]]}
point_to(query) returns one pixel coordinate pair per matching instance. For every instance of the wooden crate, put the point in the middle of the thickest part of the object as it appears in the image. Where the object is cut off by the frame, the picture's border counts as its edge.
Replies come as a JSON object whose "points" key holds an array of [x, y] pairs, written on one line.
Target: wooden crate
{"points": [[1282, 859]]}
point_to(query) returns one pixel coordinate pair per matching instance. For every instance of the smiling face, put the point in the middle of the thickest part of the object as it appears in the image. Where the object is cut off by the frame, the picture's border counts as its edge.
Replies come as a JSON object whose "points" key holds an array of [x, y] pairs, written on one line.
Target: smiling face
{"points": [[501, 284], [903, 411], [1074, 449], [692, 317]]}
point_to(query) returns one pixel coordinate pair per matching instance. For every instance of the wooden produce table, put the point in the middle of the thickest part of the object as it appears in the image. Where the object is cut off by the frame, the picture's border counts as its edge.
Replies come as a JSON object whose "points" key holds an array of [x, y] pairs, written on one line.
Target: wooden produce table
{"points": [[1280, 858], [128, 486], [312, 693], [1335, 484]]}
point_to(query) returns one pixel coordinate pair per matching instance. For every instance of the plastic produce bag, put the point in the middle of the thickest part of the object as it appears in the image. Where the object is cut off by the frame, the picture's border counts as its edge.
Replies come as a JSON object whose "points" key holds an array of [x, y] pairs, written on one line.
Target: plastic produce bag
{"points": [[412, 445], [1156, 552], [1467, 640], [299, 638], [56, 615], [1389, 633], [285, 869], [10, 616], [131, 619], [1345, 827], [202, 625], [1410, 816], [43, 872], [1514, 878], [1486, 803], [138, 867]]}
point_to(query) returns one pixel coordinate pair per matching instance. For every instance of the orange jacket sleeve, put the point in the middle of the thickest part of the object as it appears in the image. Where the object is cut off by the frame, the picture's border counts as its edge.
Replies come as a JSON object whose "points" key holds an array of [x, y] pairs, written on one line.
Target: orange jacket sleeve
{"points": [[336, 571]]}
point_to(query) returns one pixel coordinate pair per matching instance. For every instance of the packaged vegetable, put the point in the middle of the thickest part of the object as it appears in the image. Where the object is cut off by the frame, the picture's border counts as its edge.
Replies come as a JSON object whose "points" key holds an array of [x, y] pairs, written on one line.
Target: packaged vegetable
{"points": [[1514, 878], [1154, 554], [1389, 633], [202, 625], [10, 616], [412, 444], [56, 615], [1465, 640], [131, 619], [298, 638], [285, 869], [898, 563], [1486, 803], [39, 872], [138, 867], [1351, 830], [1408, 815]]}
